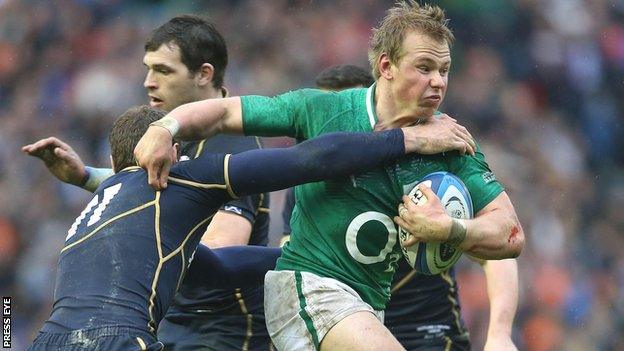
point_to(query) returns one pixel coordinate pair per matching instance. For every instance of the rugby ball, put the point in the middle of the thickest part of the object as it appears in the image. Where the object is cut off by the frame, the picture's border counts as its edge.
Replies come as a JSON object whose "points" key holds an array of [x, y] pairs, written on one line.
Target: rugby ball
{"points": [[434, 258]]}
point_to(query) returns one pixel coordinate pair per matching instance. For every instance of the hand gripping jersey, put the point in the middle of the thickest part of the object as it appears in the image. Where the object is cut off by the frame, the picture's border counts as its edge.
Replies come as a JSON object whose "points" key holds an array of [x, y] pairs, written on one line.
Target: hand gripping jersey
{"points": [[343, 228]]}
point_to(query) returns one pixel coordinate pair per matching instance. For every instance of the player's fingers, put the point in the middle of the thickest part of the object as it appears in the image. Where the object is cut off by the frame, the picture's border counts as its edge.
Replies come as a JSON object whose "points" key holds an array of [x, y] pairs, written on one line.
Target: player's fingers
{"points": [[410, 203], [429, 194], [445, 116], [35, 147], [402, 210], [164, 174], [62, 153], [465, 135], [153, 172], [409, 241], [400, 222], [460, 146]]}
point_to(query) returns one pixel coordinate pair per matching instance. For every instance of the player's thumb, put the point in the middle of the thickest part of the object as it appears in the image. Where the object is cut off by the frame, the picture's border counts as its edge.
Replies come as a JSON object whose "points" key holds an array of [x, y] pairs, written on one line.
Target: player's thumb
{"points": [[61, 153]]}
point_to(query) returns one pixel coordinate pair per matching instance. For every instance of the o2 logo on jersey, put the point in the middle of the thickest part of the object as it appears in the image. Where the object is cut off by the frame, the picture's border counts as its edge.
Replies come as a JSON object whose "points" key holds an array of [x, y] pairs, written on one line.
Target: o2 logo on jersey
{"points": [[354, 230], [108, 195]]}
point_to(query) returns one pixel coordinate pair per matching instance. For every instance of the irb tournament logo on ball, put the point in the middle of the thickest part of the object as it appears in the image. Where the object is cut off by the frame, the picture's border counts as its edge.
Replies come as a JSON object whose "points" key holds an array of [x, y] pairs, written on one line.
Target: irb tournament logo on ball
{"points": [[433, 258]]}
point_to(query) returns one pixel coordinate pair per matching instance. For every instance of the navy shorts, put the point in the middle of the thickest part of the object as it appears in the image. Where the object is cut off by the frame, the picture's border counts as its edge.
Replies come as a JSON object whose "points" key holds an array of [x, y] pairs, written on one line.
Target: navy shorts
{"points": [[219, 333], [97, 339]]}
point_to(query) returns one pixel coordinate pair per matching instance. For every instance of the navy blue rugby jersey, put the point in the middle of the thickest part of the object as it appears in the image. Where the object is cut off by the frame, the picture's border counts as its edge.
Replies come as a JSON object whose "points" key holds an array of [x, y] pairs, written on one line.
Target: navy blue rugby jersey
{"points": [[126, 253]]}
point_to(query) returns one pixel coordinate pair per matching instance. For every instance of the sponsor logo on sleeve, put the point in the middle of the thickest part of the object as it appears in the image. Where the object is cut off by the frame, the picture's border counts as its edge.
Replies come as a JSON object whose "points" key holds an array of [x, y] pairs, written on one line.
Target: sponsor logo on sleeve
{"points": [[488, 177], [234, 209]]}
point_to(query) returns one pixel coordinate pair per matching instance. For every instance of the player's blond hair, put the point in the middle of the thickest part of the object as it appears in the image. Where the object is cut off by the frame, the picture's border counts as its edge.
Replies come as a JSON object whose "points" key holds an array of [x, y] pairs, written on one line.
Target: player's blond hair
{"points": [[404, 17]]}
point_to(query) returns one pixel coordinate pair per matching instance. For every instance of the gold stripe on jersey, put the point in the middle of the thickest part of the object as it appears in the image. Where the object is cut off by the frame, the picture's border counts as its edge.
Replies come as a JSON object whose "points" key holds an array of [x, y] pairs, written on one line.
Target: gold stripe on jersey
{"points": [[259, 207], [249, 317], [162, 260], [188, 236], [141, 343], [403, 281], [183, 261], [151, 324], [455, 305], [124, 214], [249, 333], [197, 184], [449, 343], [200, 148], [226, 175]]}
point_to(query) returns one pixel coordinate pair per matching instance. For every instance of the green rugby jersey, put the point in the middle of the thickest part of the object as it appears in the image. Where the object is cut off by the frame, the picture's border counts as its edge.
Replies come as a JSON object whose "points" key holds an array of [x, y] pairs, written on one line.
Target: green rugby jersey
{"points": [[343, 228]]}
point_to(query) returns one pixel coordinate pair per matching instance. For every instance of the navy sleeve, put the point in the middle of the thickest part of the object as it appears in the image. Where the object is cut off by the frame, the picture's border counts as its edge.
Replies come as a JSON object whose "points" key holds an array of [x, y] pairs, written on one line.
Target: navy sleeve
{"points": [[289, 205], [330, 156], [232, 267]]}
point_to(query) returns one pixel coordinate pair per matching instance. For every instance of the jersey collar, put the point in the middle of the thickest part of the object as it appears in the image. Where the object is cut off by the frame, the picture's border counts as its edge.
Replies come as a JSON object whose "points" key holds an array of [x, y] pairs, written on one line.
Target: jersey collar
{"points": [[370, 106], [131, 169]]}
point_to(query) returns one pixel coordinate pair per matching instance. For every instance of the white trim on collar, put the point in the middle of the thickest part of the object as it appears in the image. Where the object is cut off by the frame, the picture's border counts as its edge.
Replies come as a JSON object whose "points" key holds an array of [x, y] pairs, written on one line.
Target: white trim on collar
{"points": [[370, 106]]}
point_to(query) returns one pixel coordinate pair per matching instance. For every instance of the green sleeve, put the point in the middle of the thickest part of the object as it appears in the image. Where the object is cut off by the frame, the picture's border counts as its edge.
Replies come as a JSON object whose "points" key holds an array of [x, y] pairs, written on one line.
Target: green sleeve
{"points": [[478, 177], [288, 114]]}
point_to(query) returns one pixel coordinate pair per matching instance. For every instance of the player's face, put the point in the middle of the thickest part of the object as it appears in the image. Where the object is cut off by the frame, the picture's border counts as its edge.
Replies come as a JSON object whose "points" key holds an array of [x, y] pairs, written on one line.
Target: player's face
{"points": [[169, 82], [420, 77]]}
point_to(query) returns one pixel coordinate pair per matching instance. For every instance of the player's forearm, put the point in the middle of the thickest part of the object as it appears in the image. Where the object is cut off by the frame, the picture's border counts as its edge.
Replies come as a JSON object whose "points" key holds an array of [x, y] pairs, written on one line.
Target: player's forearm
{"points": [[502, 286], [331, 156], [494, 235], [232, 267], [202, 119]]}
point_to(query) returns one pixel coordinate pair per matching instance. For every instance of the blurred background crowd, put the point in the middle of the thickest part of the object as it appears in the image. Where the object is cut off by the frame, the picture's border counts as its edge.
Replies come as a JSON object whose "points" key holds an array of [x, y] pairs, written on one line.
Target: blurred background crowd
{"points": [[540, 83]]}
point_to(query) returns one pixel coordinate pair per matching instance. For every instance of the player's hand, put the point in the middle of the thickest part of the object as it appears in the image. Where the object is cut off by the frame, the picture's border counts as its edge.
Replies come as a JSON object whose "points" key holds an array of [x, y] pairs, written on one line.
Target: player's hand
{"points": [[427, 222], [438, 134], [499, 343], [60, 159], [153, 152]]}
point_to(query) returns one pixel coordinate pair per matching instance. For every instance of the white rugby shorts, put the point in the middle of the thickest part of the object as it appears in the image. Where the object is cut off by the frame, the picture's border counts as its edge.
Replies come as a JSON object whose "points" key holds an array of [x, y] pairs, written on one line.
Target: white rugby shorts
{"points": [[301, 307]]}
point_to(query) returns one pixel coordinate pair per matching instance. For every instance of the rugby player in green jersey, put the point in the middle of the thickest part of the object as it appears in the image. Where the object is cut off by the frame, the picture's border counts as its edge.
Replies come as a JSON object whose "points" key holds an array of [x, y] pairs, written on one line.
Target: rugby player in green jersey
{"points": [[424, 312], [332, 282]]}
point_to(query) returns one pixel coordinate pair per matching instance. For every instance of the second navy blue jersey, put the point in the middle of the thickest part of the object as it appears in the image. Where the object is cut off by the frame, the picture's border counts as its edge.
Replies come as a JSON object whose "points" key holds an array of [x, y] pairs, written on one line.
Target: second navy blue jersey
{"points": [[193, 297], [126, 253], [424, 308]]}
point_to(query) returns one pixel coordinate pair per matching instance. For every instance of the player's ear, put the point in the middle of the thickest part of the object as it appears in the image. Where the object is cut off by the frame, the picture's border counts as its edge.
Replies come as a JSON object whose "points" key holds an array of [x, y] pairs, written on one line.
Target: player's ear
{"points": [[384, 65], [206, 72], [175, 150]]}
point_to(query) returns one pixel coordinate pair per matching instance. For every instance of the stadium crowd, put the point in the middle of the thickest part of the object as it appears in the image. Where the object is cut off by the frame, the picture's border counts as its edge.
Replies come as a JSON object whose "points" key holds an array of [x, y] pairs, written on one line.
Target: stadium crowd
{"points": [[539, 83]]}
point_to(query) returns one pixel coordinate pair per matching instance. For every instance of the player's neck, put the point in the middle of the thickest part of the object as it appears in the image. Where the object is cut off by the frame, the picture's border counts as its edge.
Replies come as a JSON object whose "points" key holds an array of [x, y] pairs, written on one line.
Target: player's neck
{"points": [[215, 93], [389, 114]]}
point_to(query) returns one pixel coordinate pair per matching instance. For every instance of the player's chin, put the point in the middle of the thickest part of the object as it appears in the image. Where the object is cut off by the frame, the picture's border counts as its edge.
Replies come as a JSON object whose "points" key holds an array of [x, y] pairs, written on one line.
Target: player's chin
{"points": [[427, 110]]}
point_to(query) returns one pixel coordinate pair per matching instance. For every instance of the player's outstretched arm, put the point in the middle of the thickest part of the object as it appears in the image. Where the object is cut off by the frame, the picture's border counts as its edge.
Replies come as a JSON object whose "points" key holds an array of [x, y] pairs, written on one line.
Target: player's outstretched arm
{"points": [[232, 267], [202, 119], [65, 164], [330, 156], [495, 233], [502, 287]]}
